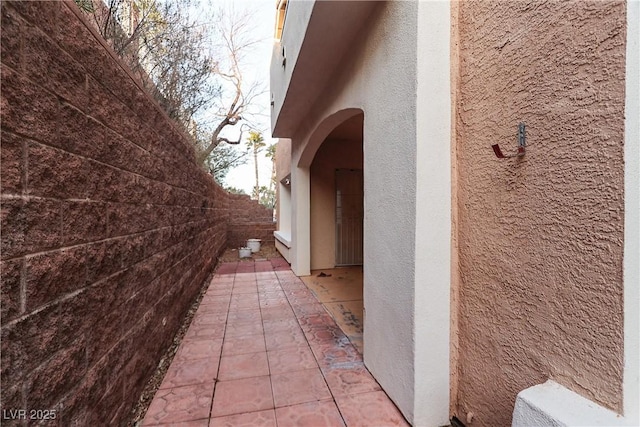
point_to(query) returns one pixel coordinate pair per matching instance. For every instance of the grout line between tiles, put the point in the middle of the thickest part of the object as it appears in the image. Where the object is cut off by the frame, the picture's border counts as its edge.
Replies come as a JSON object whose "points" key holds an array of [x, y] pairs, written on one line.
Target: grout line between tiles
{"points": [[264, 338], [304, 333], [215, 380]]}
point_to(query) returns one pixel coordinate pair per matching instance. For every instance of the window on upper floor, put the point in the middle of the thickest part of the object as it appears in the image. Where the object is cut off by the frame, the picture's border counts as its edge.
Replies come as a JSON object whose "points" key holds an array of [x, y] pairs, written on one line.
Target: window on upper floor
{"points": [[281, 12]]}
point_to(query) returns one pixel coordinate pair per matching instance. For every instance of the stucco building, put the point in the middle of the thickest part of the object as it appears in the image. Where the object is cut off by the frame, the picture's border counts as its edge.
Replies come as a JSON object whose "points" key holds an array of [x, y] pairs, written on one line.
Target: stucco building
{"points": [[484, 277]]}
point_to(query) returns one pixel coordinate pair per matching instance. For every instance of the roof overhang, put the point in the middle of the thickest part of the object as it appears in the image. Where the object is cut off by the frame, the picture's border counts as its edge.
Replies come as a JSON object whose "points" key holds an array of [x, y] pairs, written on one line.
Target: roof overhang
{"points": [[308, 55]]}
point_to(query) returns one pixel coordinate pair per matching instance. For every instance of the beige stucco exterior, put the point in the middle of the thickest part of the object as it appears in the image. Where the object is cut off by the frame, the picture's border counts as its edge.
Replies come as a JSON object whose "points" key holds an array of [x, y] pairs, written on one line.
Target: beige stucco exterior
{"points": [[283, 198], [540, 237], [314, 106], [482, 276]]}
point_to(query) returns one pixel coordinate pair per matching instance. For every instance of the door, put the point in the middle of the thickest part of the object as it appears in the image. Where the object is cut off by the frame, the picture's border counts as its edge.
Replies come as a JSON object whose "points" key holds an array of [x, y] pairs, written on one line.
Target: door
{"points": [[349, 216]]}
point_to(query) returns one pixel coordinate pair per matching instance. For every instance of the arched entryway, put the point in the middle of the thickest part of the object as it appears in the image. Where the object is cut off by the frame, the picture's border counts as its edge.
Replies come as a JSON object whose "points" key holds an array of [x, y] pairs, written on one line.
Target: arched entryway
{"points": [[336, 218], [337, 198]]}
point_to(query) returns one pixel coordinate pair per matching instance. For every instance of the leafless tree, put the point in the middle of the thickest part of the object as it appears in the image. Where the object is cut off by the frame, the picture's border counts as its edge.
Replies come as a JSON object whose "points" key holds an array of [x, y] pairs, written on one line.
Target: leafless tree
{"points": [[237, 99], [193, 66]]}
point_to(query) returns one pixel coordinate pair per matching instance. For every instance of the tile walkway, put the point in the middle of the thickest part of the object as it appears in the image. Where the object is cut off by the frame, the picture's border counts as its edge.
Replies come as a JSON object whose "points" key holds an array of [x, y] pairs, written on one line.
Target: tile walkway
{"points": [[262, 351]]}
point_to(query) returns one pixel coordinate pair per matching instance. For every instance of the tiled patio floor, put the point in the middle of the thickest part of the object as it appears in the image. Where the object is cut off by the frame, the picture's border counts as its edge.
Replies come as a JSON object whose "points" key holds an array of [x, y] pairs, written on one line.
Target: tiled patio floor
{"points": [[262, 351]]}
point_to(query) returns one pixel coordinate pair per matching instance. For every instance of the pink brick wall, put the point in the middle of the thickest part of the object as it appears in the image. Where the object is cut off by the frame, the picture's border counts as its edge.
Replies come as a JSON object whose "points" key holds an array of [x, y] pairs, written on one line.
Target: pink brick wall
{"points": [[249, 220], [109, 228]]}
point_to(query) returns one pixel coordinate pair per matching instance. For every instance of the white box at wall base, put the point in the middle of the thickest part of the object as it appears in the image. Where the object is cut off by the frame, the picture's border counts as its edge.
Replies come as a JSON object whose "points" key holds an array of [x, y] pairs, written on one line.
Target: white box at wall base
{"points": [[254, 244], [552, 405], [244, 252]]}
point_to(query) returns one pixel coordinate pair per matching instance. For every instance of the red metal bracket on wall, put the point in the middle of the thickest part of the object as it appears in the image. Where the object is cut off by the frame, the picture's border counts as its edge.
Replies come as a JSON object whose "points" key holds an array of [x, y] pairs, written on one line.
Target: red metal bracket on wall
{"points": [[522, 143]]}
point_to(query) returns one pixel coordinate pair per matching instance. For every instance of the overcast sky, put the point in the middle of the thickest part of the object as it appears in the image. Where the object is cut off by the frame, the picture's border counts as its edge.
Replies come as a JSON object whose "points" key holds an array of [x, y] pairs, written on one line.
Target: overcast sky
{"points": [[244, 176]]}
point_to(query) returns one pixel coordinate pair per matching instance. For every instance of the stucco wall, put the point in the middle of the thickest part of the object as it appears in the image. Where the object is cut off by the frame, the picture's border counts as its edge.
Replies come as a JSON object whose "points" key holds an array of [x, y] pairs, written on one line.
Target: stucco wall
{"points": [[362, 81], [540, 237], [332, 155], [283, 158], [283, 195]]}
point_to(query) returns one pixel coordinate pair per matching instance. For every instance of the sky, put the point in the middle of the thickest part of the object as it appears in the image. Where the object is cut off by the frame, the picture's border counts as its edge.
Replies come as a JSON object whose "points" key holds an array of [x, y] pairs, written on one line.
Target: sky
{"points": [[243, 177]]}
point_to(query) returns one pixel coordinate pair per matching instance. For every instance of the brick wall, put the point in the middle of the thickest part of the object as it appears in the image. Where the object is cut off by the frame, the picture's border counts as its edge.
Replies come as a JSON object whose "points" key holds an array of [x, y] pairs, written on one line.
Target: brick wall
{"points": [[109, 228], [249, 220]]}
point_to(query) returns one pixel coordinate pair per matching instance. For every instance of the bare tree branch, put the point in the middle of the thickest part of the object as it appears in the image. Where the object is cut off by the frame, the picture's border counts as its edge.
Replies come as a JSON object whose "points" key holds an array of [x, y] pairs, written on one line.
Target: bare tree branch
{"points": [[193, 67]]}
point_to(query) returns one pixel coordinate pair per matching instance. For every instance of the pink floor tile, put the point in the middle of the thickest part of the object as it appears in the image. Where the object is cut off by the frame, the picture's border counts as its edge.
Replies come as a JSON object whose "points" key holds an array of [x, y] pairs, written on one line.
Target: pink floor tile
{"points": [[271, 281], [266, 275], [219, 290], [196, 423], [218, 300], [277, 313], [268, 285], [218, 280], [243, 366], [291, 359], [244, 277], [304, 310], [330, 355], [240, 396], [349, 378], [243, 345], [207, 318], [286, 274], [310, 414], [249, 286], [190, 372], [285, 339], [291, 388], [293, 286], [199, 349], [217, 309], [204, 332], [271, 293], [245, 297], [274, 325], [243, 329], [273, 303], [263, 266], [251, 419], [244, 305], [245, 267], [279, 262], [315, 321], [300, 294], [244, 316], [180, 404], [326, 336], [370, 409], [227, 268]]}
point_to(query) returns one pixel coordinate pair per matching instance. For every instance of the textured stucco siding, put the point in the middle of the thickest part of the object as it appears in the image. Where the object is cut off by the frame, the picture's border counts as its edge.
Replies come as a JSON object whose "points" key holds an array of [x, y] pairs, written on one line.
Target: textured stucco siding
{"points": [[540, 237], [361, 82], [283, 159]]}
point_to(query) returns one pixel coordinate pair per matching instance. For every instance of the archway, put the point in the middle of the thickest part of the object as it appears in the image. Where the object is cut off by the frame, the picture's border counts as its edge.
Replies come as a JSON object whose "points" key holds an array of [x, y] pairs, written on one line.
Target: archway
{"points": [[336, 199]]}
